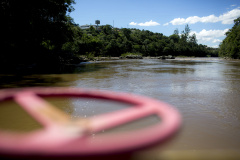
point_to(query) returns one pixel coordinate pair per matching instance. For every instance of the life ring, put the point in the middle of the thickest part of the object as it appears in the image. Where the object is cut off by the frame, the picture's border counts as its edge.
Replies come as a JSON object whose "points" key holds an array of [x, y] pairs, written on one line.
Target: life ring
{"points": [[62, 136]]}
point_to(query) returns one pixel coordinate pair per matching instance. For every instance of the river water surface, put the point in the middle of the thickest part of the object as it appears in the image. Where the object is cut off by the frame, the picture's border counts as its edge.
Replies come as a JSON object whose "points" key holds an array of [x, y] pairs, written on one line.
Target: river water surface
{"points": [[205, 91]]}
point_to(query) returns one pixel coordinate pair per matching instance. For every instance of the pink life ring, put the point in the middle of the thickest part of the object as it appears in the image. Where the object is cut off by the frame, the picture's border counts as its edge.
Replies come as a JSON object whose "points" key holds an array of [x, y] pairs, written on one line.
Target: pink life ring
{"points": [[62, 136]]}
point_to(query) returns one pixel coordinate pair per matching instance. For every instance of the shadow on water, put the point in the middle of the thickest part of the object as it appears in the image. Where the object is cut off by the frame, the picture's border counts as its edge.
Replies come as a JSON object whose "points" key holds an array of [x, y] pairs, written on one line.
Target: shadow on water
{"points": [[14, 81], [45, 78], [89, 67], [188, 62], [175, 70], [53, 77]]}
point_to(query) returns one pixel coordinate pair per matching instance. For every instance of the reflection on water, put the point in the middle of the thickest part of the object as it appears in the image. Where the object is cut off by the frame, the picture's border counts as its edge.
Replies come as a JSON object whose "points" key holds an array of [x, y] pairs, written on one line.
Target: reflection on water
{"points": [[13, 81], [206, 92]]}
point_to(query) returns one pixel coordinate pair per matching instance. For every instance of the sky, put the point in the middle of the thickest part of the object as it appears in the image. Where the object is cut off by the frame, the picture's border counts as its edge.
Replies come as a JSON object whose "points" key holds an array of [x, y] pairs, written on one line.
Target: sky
{"points": [[208, 19]]}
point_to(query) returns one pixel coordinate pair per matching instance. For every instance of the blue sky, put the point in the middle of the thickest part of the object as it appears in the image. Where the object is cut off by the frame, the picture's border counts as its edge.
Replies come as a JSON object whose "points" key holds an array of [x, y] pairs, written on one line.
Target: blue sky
{"points": [[208, 19]]}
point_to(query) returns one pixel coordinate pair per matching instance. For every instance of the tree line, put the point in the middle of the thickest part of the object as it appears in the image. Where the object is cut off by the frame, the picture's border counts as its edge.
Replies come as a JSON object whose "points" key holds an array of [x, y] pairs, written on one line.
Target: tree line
{"points": [[109, 41], [41, 33]]}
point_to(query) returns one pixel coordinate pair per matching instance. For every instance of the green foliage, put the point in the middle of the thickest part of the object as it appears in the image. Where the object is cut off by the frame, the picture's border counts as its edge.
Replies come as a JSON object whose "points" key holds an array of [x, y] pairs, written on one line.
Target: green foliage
{"points": [[34, 32], [90, 55], [41, 32], [230, 47]]}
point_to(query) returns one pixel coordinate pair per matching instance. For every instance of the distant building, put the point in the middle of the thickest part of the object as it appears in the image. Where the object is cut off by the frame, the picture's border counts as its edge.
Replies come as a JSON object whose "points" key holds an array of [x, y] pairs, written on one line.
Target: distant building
{"points": [[87, 26]]}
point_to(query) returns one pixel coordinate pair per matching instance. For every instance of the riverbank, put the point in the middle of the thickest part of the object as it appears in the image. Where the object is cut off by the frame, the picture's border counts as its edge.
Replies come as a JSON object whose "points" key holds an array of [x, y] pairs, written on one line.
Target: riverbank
{"points": [[126, 57], [71, 66], [159, 57]]}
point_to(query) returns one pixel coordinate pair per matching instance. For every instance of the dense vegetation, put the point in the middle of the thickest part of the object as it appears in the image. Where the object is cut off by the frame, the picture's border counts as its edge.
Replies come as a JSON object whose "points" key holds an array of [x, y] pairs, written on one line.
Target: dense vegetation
{"points": [[230, 47], [33, 33], [41, 33], [108, 41]]}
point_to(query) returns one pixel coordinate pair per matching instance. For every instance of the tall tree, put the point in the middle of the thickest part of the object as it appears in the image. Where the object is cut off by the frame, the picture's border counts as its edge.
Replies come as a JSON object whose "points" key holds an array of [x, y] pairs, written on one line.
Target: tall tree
{"points": [[34, 30], [230, 47], [176, 32], [193, 39], [187, 30]]}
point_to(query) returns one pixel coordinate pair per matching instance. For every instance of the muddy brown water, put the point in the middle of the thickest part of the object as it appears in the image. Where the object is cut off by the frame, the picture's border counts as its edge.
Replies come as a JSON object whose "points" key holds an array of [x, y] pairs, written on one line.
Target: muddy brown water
{"points": [[206, 91]]}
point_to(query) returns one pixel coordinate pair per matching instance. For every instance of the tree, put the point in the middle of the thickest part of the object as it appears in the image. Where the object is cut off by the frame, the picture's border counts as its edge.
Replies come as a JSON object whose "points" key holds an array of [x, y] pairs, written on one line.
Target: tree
{"points": [[107, 29], [126, 32], [175, 38], [187, 30], [176, 32], [34, 31], [92, 31], [193, 39], [230, 47]]}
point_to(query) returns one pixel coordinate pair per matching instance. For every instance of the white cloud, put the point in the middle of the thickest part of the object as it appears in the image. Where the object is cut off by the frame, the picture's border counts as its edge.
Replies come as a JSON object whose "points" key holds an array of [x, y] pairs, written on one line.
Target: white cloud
{"points": [[209, 35], [166, 24], [215, 46], [150, 23], [217, 41], [133, 24], [226, 18]]}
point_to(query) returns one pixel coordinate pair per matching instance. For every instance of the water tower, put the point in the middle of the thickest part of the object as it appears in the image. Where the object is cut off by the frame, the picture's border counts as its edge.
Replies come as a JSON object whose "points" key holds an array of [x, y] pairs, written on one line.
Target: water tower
{"points": [[97, 22]]}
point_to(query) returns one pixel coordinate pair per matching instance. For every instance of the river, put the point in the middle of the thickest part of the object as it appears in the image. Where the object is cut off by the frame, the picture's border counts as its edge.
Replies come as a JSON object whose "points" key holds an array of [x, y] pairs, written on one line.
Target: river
{"points": [[206, 91]]}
